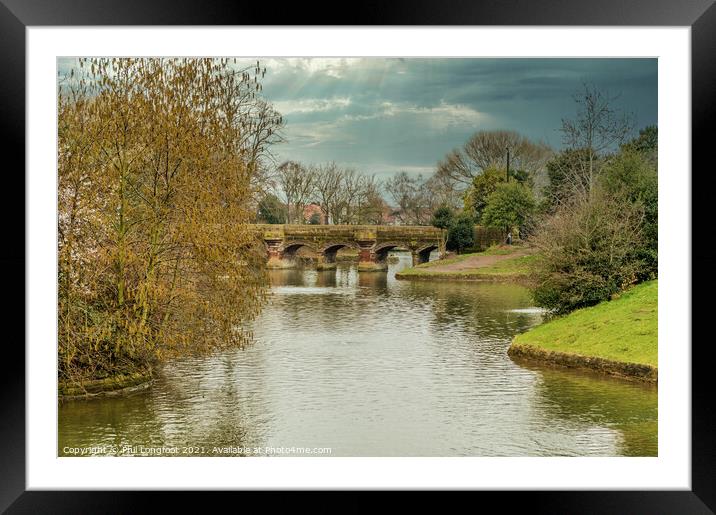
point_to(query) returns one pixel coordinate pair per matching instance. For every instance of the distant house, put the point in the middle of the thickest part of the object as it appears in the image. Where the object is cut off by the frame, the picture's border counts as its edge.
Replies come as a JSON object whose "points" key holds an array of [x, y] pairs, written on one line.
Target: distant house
{"points": [[313, 214], [390, 215]]}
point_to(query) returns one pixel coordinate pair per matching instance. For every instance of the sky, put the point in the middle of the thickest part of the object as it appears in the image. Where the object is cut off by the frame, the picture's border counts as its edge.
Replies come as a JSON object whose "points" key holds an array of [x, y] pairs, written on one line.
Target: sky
{"points": [[383, 116], [386, 115]]}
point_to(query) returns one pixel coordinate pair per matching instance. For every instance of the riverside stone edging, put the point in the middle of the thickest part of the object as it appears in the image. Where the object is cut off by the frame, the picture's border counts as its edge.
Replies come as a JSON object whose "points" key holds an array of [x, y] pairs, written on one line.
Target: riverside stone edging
{"points": [[633, 371], [109, 387]]}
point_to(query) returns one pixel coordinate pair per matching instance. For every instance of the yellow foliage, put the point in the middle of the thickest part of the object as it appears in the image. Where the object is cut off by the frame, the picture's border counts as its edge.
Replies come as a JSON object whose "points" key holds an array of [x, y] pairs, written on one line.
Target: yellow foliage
{"points": [[155, 172]]}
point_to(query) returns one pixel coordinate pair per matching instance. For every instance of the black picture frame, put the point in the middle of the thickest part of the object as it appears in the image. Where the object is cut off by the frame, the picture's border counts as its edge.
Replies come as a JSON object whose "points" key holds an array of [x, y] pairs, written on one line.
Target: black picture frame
{"points": [[17, 15]]}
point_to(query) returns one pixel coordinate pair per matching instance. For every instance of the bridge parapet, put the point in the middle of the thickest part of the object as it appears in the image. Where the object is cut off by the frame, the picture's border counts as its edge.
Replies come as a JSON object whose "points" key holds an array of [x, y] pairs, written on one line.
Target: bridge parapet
{"points": [[372, 241]]}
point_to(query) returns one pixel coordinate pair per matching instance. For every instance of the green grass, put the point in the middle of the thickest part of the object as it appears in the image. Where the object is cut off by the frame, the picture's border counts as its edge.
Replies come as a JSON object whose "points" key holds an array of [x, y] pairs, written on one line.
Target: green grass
{"points": [[495, 250], [511, 267], [448, 261], [624, 329]]}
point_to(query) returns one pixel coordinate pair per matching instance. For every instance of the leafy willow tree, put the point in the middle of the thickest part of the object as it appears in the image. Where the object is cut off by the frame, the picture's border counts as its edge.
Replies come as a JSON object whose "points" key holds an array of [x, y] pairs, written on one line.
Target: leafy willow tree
{"points": [[155, 256]]}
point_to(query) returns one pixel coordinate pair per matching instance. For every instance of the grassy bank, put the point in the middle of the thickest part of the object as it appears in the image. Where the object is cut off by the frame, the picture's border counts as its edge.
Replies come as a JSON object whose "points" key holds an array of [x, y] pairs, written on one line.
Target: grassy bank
{"points": [[497, 263], [618, 336]]}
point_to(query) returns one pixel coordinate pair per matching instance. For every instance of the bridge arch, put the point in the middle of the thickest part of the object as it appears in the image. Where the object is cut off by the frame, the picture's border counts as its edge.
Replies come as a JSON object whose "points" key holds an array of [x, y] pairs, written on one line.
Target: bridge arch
{"points": [[289, 248], [329, 250], [381, 250], [423, 254]]}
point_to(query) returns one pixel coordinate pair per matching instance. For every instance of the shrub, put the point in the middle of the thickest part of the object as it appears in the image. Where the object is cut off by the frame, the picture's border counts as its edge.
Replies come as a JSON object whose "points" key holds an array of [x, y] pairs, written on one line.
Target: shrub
{"points": [[461, 233], [633, 175], [271, 210], [587, 249], [567, 173], [510, 205], [443, 218], [482, 186]]}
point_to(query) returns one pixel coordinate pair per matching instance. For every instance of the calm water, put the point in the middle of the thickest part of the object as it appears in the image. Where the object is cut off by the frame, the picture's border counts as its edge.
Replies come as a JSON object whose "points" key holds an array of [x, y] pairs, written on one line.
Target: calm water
{"points": [[349, 364]]}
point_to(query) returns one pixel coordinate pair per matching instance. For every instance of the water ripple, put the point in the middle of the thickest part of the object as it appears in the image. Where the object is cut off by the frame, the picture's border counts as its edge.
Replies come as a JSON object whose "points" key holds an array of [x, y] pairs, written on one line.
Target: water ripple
{"points": [[371, 366]]}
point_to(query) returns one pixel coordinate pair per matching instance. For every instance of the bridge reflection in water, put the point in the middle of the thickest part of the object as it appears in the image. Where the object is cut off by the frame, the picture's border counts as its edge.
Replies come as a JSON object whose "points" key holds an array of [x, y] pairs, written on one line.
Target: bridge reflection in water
{"points": [[373, 242]]}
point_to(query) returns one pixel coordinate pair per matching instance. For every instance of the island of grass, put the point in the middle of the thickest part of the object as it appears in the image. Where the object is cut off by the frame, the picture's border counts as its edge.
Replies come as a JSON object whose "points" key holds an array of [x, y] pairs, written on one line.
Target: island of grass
{"points": [[497, 263], [617, 337]]}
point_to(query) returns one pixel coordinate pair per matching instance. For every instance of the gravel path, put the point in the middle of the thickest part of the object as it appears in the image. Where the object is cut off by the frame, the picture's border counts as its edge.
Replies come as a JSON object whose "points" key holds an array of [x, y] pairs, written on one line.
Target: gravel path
{"points": [[477, 261]]}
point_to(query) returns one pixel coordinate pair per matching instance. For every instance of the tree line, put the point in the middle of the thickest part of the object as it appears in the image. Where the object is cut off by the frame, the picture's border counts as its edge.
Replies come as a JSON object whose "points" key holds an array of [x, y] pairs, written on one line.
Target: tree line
{"points": [[344, 195], [347, 196]]}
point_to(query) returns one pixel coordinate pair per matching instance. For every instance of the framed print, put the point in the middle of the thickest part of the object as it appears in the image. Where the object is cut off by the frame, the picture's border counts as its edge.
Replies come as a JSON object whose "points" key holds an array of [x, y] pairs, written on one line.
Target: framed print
{"points": [[420, 251]]}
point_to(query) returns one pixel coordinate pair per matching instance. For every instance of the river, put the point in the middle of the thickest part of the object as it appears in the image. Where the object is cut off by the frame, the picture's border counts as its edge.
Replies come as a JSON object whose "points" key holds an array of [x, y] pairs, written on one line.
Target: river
{"points": [[349, 364]]}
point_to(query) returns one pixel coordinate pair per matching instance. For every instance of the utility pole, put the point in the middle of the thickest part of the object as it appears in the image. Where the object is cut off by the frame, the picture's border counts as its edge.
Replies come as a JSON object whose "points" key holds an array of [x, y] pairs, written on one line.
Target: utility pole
{"points": [[508, 163], [509, 234]]}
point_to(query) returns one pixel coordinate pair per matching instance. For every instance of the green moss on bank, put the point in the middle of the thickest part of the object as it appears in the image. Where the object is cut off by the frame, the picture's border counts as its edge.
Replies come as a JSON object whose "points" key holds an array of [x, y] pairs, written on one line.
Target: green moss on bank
{"points": [[624, 329], [107, 386]]}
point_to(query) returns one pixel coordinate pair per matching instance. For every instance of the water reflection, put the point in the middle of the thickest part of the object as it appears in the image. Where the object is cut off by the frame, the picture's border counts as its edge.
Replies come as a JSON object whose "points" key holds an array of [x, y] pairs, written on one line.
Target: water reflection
{"points": [[626, 408], [370, 366]]}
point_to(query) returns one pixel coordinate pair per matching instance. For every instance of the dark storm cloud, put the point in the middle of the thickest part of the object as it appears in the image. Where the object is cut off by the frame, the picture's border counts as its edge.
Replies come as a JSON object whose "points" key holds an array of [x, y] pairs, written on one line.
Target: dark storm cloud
{"points": [[385, 115]]}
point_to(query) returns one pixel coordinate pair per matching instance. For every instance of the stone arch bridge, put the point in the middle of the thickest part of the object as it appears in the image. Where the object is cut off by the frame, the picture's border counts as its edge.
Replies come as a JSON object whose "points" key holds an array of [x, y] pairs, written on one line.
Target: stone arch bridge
{"points": [[373, 242]]}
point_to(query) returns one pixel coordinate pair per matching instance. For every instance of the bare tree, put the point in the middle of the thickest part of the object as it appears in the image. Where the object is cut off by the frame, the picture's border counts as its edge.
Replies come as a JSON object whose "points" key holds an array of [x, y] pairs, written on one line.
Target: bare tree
{"points": [[263, 130], [411, 196], [347, 196], [296, 187], [344, 201], [441, 192], [597, 129], [488, 149], [328, 179], [401, 188], [370, 204], [260, 125]]}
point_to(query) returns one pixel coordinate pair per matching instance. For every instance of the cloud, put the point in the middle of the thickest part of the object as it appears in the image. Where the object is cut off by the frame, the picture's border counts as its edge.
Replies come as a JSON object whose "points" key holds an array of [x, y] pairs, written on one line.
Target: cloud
{"points": [[329, 66], [393, 113], [311, 105], [385, 114]]}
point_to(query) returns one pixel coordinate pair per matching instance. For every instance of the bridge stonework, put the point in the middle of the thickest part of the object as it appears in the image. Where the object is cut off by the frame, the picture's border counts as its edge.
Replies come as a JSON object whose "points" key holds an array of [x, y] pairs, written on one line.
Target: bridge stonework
{"points": [[373, 242]]}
